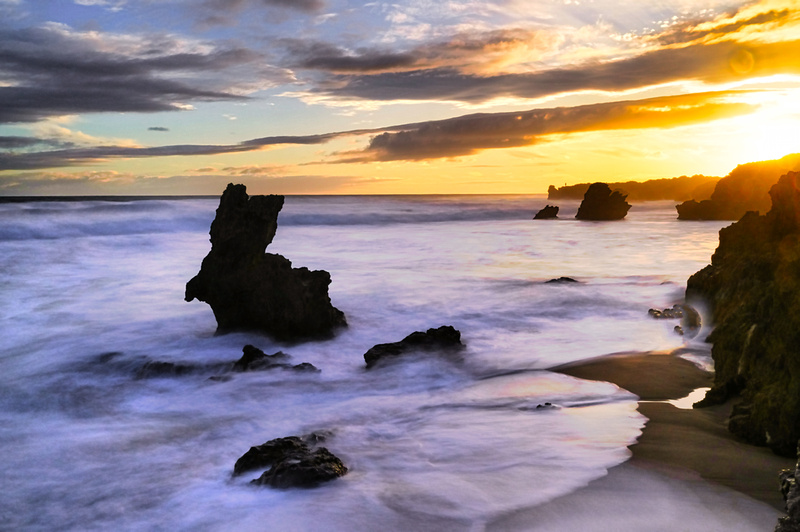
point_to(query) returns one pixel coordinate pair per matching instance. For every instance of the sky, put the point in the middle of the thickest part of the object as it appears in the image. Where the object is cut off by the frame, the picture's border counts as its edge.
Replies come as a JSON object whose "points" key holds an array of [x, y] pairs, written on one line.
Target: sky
{"points": [[406, 97]]}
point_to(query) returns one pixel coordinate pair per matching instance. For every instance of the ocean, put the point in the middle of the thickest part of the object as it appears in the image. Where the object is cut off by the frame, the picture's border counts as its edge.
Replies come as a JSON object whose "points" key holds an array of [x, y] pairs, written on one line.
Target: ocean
{"points": [[92, 290]]}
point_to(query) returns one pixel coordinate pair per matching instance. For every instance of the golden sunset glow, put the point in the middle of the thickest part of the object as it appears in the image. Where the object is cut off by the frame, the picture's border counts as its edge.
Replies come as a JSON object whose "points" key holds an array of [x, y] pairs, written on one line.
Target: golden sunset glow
{"points": [[489, 102]]}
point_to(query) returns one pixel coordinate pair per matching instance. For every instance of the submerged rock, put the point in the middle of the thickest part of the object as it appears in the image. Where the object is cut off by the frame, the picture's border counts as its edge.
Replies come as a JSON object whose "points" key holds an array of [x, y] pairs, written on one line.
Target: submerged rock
{"points": [[562, 280], [254, 359], [547, 213], [752, 287], [600, 204], [248, 289], [445, 338], [293, 461]]}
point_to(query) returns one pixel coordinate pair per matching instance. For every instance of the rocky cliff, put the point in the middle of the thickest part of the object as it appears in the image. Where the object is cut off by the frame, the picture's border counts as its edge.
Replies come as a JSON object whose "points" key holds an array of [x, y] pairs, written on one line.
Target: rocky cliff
{"points": [[753, 288], [698, 187], [249, 289], [746, 188]]}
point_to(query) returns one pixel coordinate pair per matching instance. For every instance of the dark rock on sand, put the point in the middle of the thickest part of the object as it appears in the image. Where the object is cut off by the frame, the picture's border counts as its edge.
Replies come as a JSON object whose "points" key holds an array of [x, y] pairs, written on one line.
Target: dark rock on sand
{"points": [[600, 203], [547, 213], [445, 338], [752, 287], [251, 290], [292, 461], [745, 189], [791, 494]]}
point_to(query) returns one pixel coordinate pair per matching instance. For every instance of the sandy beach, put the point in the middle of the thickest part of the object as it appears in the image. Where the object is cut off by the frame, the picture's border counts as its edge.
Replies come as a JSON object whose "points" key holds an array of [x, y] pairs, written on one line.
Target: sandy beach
{"points": [[686, 471]]}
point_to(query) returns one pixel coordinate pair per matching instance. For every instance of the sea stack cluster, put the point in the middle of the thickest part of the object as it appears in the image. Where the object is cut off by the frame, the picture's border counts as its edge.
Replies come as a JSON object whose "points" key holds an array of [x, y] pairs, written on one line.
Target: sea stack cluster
{"points": [[752, 287], [249, 289]]}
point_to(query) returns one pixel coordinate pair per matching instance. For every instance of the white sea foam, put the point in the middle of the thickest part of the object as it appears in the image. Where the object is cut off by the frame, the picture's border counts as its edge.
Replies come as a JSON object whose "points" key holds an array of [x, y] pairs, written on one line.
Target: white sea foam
{"points": [[93, 290]]}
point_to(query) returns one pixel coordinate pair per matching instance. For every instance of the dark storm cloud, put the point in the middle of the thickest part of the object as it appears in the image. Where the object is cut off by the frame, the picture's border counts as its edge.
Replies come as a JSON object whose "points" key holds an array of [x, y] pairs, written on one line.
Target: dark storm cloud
{"points": [[53, 72], [436, 139], [708, 63]]}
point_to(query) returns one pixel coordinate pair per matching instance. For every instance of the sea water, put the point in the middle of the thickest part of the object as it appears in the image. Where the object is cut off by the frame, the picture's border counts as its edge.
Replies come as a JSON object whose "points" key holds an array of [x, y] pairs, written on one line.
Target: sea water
{"points": [[92, 290]]}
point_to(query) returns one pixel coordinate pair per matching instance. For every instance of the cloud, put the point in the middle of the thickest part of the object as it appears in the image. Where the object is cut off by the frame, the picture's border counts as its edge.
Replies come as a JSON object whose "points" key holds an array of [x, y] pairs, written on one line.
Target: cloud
{"points": [[466, 135], [53, 70], [435, 139], [89, 155], [477, 51], [15, 142], [690, 32], [710, 63], [157, 128], [224, 12]]}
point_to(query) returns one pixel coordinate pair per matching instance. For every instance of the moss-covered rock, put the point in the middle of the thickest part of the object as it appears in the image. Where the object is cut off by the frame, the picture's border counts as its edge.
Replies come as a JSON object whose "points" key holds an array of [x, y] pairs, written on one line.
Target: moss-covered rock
{"points": [[753, 288]]}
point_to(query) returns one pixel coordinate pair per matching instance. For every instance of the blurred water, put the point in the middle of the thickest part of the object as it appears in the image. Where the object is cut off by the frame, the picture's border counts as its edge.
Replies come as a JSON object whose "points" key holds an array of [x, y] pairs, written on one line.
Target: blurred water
{"points": [[91, 290]]}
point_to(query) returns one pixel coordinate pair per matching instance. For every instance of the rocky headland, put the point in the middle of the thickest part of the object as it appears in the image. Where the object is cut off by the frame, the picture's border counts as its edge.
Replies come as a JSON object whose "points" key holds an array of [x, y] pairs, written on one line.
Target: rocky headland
{"points": [[249, 289], [601, 204], [745, 189], [697, 187], [752, 287]]}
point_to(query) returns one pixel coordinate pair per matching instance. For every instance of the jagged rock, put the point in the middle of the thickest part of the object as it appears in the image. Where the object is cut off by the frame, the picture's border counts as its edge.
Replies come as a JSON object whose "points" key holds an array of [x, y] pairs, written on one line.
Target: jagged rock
{"points": [[547, 213], [305, 367], [310, 470], [561, 280], [445, 338], [248, 289], [293, 462], [600, 203], [751, 287], [254, 359], [690, 318], [791, 495], [745, 189]]}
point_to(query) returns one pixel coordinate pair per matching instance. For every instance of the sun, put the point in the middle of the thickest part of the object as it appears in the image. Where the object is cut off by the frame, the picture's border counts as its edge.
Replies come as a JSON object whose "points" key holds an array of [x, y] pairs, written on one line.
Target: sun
{"points": [[774, 130]]}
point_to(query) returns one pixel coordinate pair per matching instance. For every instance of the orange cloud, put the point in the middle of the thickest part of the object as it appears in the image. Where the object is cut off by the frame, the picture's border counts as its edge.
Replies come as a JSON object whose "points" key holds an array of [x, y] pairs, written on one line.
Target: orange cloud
{"points": [[468, 134]]}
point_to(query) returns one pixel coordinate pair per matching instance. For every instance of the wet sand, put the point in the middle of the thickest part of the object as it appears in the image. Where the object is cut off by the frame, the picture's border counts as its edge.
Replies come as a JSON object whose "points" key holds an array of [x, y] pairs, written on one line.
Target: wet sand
{"points": [[686, 472]]}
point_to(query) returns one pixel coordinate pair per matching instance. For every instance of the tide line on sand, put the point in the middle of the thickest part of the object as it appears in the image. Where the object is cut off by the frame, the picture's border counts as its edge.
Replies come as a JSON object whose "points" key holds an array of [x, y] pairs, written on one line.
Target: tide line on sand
{"points": [[686, 471]]}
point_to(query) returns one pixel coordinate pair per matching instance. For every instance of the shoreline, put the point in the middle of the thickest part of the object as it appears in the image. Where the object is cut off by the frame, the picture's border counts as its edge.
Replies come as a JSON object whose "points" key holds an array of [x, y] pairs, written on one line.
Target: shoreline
{"points": [[685, 469]]}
